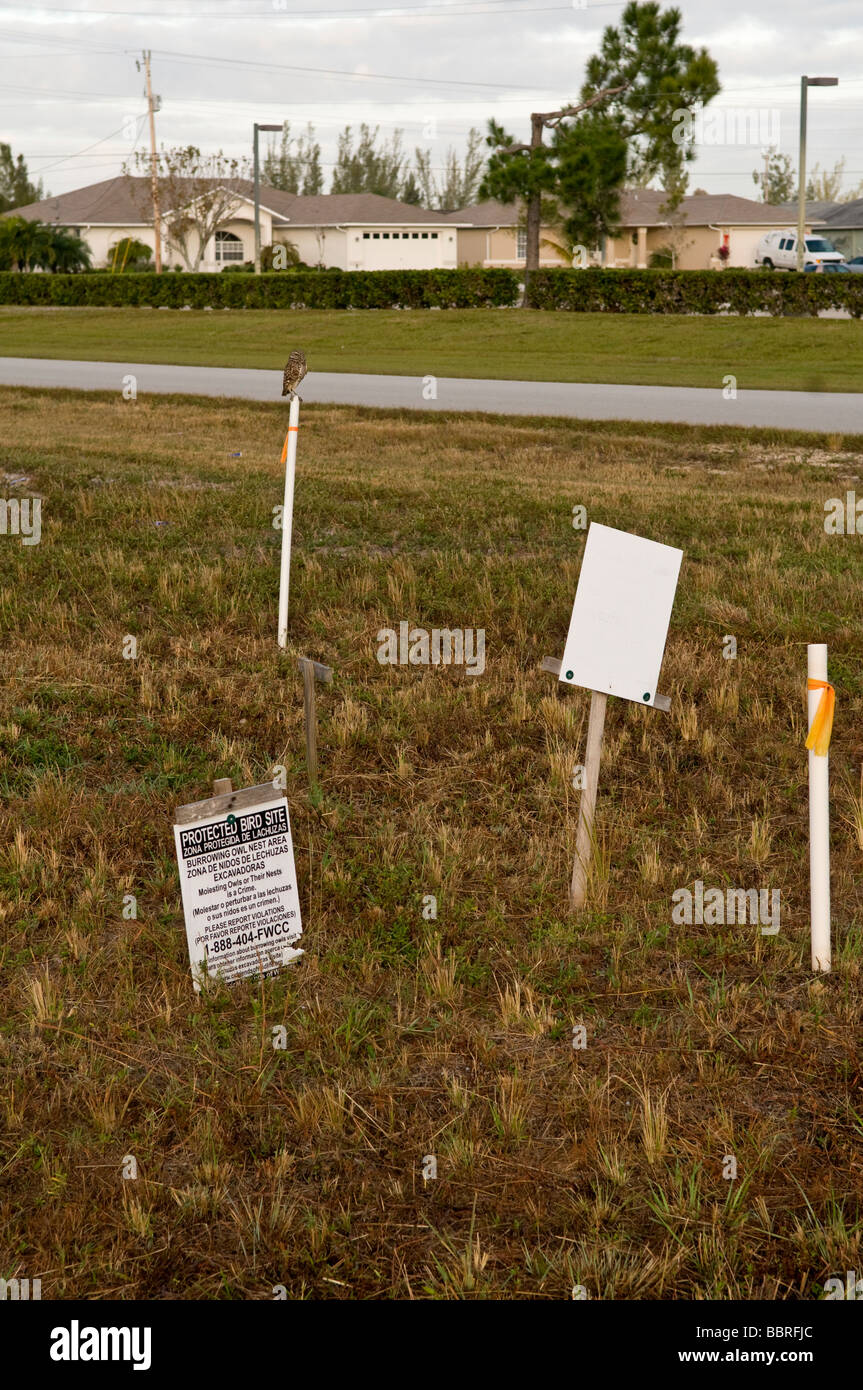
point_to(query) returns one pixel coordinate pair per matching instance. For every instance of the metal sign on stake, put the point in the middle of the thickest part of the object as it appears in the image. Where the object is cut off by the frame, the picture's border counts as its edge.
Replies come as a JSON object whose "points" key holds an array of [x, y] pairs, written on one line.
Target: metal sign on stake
{"points": [[312, 671], [237, 876], [615, 646], [821, 702], [289, 459]]}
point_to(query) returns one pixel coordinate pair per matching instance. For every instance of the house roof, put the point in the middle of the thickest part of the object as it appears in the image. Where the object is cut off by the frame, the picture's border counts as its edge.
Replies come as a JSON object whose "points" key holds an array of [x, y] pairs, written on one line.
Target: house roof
{"points": [[111, 201], [816, 211], [641, 207], [845, 215], [329, 209], [489, 214], [122, 201]]}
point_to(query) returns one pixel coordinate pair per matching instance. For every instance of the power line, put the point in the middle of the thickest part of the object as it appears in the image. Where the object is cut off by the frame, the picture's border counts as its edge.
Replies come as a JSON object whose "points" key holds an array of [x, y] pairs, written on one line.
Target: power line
{"points": [[757, 85], [462, 9], [63, 159], [171, 55]]}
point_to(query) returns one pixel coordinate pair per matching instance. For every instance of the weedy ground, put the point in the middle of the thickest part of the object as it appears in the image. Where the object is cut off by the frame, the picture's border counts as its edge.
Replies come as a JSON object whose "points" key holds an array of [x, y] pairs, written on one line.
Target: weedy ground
{"points": [[406, 1037], [518, 344]]}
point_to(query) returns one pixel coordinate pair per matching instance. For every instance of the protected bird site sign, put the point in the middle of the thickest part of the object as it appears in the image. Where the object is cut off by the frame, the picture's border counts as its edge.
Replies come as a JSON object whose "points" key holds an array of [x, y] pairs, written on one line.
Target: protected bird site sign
{"points": [[239, 885]]}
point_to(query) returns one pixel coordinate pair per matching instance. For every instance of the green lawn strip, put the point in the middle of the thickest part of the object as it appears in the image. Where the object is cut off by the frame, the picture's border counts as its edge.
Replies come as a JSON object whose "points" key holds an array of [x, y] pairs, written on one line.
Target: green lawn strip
{"points": [[511, 344]]}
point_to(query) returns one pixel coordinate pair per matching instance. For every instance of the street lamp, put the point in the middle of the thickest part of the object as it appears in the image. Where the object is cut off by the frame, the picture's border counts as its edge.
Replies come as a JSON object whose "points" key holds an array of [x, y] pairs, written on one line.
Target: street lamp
{"points": [[801, 191], [258, 127]]}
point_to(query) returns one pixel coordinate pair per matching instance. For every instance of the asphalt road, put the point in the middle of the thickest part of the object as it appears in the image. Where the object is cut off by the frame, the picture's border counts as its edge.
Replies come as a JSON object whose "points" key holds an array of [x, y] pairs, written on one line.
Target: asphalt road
{"points": [[804, 410]]}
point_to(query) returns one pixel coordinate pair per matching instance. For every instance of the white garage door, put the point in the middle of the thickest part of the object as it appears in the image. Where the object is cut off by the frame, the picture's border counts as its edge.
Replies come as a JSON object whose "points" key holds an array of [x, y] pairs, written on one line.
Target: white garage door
{"points": [[399, 250]]}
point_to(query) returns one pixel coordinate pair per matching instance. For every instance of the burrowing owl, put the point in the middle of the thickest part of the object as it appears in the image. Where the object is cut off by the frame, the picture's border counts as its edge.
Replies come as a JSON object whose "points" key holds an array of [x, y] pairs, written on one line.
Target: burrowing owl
{"points": [[295, 370]]}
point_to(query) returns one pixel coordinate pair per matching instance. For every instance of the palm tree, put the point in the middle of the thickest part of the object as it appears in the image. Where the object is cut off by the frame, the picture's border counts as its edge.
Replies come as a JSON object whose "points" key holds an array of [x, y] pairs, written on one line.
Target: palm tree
{"points": [[26, 245], [17, 243], [68, 253]]}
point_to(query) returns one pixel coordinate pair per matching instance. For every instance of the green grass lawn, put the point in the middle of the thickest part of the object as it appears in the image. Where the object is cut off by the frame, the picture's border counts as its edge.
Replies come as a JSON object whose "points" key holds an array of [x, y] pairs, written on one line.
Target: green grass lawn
{"points": [[406, 1036], [515, 344]]}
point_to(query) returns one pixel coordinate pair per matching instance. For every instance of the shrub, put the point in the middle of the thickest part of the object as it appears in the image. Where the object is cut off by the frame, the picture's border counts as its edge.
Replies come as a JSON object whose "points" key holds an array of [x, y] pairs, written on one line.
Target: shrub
{"points": [[129, 254], [26, 245], [287, 289], [735, 291]]}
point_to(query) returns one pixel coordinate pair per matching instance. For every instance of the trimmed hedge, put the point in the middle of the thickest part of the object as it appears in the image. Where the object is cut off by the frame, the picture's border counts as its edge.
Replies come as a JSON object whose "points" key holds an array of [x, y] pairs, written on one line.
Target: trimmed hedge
{"points": [[578, 291], [287, 289], [777, 292]]}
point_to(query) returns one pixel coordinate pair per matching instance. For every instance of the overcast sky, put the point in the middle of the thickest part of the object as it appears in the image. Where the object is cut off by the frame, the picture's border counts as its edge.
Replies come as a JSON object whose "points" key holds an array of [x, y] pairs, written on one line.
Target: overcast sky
{"points": [[72, 101]]}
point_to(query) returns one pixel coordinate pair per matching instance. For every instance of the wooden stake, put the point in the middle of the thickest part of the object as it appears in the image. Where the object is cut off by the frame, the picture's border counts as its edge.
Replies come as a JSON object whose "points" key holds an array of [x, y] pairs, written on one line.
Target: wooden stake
{"points": [[587, 805], [312, 670], [222, 786]]}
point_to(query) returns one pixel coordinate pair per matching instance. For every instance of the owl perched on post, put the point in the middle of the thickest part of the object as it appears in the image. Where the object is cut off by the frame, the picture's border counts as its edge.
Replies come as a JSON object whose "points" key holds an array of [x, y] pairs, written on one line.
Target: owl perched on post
{"points": [[295, 370]]}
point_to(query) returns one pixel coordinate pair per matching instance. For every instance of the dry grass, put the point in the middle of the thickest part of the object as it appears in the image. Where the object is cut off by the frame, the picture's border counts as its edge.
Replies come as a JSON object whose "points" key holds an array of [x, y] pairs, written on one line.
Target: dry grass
{"points": [[409, 1037]]}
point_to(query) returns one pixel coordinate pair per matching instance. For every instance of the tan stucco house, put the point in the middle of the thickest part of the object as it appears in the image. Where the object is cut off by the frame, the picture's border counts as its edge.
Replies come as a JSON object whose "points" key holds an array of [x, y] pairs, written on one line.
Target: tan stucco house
{"points": [[496, 234], [706, 222]]}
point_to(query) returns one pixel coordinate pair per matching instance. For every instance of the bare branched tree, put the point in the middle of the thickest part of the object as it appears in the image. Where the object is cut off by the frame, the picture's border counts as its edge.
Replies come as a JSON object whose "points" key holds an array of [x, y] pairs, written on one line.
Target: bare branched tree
{"points": [[195, 195]]}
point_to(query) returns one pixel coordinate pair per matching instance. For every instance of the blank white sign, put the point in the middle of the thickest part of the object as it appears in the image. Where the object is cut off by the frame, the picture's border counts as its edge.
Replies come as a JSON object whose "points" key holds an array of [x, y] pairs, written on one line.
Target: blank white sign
{"points": [[620, 617]]}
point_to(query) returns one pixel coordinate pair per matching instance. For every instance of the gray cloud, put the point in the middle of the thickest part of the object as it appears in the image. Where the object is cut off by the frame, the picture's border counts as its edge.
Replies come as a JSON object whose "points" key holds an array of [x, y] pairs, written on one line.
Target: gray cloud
{"points": [[69, 78]]}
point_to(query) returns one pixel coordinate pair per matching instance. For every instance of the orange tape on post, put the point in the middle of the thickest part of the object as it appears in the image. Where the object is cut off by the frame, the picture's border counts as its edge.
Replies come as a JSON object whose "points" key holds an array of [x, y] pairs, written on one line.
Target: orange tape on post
{"points": [[822, 725]]}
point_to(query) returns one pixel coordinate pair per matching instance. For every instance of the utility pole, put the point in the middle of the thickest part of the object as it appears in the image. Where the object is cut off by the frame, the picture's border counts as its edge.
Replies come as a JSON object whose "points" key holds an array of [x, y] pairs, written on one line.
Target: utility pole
{"points": [[257, 127], [157, 221]]}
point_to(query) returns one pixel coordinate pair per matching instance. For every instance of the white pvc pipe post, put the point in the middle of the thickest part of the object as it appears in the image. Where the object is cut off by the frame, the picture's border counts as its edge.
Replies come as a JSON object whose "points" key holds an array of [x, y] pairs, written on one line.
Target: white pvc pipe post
{"points": [[819, 824], [287, 520]]}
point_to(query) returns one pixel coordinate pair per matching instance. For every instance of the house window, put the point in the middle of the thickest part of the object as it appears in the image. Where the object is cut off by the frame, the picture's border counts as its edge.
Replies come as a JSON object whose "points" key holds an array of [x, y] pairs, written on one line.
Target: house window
{"points": [[425, 236], [434, 236], [521, 244], [366, 236], [415, 236], [228, 248], [386, 236], [376, 236]]}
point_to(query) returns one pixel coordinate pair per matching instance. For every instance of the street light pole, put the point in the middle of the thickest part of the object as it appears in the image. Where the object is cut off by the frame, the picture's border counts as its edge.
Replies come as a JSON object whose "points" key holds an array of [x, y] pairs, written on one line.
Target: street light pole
{"points": [[258, 127], [805, 83]]}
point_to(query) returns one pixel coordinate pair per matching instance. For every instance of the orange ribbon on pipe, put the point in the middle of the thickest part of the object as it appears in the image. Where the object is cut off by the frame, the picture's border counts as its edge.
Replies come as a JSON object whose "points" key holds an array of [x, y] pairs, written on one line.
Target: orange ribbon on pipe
{"points": [[822, 725], [292, 429]]}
